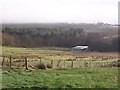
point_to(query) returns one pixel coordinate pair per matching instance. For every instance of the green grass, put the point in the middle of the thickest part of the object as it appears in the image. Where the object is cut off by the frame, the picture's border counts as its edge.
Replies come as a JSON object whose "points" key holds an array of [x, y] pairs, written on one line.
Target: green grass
{"points": [[16, 50], [47, 54], [97, 77], [35, 53], [67, 78]]}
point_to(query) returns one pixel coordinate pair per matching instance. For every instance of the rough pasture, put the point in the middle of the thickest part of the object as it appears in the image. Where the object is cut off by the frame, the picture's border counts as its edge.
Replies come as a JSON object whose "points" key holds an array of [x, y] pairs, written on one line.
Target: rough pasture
{"points": [[76, 77]]}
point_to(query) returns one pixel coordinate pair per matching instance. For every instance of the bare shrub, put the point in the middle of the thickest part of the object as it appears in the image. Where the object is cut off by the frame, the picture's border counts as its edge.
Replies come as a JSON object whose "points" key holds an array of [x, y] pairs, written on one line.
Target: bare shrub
{"points": [[40, 66], [115, 64], [49, 66]]}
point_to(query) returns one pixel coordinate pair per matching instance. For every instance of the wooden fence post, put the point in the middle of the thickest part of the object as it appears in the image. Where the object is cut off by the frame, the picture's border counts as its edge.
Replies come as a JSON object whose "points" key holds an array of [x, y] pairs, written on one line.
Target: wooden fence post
{"points": [[72, 64], [97, 63], [90, 64], [52, 63], [40, 60], [58, 63], [64, 63], [3, 61], [7, 61], [10, 62], [103, 64], [107, 64], [26, 66], [86, 63], [20, 63]]}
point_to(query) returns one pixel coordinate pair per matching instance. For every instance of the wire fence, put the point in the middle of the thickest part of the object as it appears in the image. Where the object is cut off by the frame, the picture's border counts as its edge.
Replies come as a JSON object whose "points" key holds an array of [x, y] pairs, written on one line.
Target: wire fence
{"points": [[31, 63]]}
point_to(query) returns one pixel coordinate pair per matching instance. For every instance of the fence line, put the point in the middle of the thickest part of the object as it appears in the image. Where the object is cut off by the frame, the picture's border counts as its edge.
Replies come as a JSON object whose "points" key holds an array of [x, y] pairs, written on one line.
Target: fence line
{"points": [[12, 62]]}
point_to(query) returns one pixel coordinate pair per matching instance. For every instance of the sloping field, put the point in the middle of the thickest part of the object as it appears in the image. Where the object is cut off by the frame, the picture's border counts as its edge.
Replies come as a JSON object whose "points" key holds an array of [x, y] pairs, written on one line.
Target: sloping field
{"points": [[72, 77]]}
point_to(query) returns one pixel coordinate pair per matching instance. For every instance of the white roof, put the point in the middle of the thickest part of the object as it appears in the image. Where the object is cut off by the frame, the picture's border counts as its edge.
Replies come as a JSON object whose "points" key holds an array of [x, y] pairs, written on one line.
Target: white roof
{"points": [[80, 47]]}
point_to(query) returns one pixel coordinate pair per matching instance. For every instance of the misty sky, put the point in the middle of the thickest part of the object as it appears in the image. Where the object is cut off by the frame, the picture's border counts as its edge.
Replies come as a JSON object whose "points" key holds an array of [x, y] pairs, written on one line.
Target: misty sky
{"points": [[51, 11]]}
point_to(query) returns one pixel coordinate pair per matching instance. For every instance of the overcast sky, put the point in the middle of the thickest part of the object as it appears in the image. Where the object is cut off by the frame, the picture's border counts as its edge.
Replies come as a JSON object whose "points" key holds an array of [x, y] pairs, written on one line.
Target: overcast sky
{"points": [[51, 11]]}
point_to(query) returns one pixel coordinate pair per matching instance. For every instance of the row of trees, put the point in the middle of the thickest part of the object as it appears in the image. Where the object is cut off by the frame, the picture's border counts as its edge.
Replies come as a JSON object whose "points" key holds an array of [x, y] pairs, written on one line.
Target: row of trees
{"points": [[43, 37]]}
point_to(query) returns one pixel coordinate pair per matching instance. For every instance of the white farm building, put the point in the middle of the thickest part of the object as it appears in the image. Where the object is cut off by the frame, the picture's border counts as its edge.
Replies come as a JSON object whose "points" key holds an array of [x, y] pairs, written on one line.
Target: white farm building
{"points": [[80, 48]]}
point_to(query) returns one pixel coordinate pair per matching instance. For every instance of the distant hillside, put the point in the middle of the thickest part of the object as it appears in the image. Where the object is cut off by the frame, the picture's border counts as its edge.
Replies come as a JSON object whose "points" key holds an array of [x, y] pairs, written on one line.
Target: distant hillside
{"points": [[99, 37], [99, 27]]}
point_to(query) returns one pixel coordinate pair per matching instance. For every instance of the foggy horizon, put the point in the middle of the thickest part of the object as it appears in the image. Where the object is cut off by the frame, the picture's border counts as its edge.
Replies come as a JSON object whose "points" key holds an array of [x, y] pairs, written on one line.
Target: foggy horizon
{"points": [[58, 23], [59, 11]]}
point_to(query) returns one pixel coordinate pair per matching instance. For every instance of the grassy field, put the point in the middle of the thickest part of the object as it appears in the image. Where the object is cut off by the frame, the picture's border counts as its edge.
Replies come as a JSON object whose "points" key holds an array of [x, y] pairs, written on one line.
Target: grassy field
{"points": [[82, 77], [58, 54], [68, 78]]}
